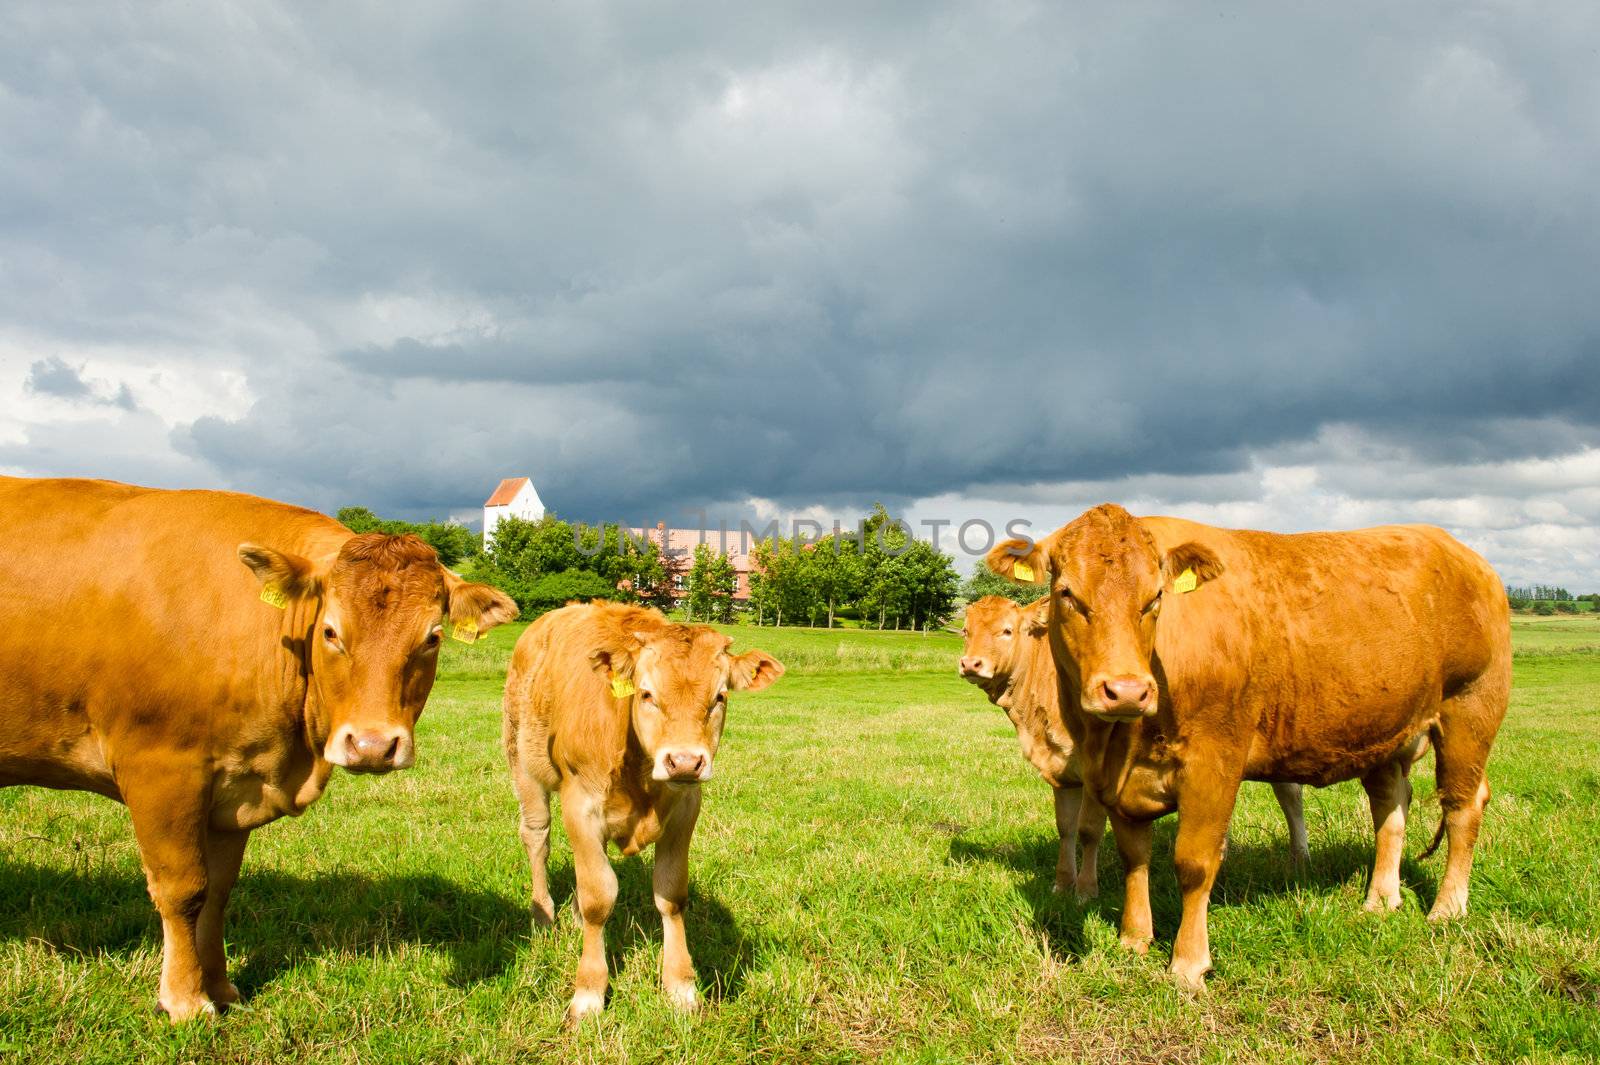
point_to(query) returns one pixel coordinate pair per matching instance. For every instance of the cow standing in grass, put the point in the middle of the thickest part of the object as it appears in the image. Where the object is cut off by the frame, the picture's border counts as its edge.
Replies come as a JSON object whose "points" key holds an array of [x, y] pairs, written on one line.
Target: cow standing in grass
{"points": [[141, 660], [1005, 653], [1190, 658], [619, 711]]}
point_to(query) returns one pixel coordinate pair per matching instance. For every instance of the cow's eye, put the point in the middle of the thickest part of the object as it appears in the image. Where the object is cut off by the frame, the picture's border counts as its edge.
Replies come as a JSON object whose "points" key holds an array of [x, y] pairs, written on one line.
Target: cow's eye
{"points": [[1005, 632], [332, 636], [1153, 605], [645, 696], [432, 640]]}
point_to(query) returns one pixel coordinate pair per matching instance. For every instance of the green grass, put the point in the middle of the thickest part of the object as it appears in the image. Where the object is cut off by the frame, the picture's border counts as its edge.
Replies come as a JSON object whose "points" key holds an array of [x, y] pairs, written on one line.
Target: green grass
{"points": [[870, 880]]}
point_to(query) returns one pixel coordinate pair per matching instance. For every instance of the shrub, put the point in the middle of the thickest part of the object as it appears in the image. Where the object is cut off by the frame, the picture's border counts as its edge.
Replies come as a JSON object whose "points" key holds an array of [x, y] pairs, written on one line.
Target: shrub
{"points": [[1543, 609]]}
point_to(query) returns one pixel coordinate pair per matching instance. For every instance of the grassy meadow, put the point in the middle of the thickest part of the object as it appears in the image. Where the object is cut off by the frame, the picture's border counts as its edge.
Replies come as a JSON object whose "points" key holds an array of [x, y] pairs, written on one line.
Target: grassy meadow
{"points": [[870, 880]]}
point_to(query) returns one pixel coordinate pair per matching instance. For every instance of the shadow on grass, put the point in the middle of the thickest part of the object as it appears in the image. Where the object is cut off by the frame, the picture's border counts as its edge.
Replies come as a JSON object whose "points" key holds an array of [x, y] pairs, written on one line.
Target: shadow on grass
{"points": [[275, 920], [1250, 870]]}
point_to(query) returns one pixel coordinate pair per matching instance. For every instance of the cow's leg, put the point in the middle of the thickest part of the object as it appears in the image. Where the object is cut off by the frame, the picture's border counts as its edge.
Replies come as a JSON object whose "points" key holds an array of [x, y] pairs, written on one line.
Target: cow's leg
{"points": [[1467, 725], [671, 881], [1091, 829], [1292, 801], [1068, 800], [1133, 844], [1389, 795], [1205, 806], [584, 818], [169, 822], [224, 854], [534, 828]]}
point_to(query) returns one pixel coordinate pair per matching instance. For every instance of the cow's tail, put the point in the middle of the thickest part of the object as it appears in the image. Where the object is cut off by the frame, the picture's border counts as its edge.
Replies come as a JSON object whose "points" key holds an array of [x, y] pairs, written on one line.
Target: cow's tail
{"points": [[1437, 836]]}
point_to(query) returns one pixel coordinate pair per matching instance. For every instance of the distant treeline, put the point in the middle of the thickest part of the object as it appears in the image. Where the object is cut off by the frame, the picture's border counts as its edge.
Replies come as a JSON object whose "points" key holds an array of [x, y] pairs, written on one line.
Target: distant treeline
{"points": [[1550, 599], [879, 575]]}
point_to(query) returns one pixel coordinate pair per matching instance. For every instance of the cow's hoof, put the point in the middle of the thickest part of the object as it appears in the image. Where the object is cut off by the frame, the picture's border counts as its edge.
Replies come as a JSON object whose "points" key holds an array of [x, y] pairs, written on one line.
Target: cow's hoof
{"points": [[1190, 977], [584, 1004], [1382, 903], [544, 912], [1137, 944], [1447, 910], [225, 994], [180, 1010], [1087, 891], [684, 996]]}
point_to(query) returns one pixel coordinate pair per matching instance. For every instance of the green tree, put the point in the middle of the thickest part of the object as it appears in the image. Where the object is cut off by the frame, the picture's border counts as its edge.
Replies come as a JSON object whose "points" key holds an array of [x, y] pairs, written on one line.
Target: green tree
{"points": [[452, 541], [711, 584], [986, 582]]}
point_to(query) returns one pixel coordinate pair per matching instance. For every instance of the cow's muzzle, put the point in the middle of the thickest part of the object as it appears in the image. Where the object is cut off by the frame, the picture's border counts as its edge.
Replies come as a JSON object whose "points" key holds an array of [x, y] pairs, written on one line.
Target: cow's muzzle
{"points": [[683, 765], [1120, 698], [976, 668], [371, 750]]}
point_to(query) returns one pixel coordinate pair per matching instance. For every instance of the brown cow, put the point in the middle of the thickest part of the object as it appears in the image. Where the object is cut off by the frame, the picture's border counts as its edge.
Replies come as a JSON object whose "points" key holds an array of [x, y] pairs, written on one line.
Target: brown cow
{"points": [[1191, 658], [1007, 656], [620, 712], [140, 661]]}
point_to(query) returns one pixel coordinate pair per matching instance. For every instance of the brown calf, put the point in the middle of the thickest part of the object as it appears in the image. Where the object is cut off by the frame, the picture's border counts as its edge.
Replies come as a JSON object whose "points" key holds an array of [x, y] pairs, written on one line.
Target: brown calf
{"points": [[1007, 656], [620, 712], [1190, 658], [139, 659]]}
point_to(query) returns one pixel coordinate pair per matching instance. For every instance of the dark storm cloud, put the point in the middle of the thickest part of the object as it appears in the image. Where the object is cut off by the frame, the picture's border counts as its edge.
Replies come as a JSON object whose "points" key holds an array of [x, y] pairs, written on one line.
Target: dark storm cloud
{"points": [[54, 377], [820, 253]]}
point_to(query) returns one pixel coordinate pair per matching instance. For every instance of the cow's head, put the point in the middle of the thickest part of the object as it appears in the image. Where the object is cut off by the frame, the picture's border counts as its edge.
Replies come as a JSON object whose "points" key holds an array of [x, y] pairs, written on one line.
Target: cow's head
{"points": [[993, 634], [677, 679], [377, 615], [1107, 581]]}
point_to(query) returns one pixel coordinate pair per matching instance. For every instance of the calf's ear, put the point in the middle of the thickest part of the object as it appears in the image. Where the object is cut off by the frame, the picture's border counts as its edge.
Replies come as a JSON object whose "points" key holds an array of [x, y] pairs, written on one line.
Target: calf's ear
{"points": [[1191, 557], [1019, 560], [281, 573], [477, 607], [753, 671]]}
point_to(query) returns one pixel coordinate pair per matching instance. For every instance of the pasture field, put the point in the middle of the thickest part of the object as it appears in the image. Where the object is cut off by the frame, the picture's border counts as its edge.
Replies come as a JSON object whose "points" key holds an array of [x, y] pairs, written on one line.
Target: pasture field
{"points": [[870, 880]]}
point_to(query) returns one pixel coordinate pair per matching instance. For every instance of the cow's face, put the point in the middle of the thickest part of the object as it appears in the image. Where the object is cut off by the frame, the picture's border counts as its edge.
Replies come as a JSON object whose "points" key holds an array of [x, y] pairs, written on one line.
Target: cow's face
{"points": [[378, 614], [1107, 581], [991, 634], [681, 677]]}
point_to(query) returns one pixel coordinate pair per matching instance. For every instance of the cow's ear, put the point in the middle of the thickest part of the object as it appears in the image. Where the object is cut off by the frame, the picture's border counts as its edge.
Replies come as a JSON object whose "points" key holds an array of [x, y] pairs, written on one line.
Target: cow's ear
{"points": [[1036, 618], [477, 607], [1019, 560], [613, 663], [281, 573], [1186, 559], [753, 671]]}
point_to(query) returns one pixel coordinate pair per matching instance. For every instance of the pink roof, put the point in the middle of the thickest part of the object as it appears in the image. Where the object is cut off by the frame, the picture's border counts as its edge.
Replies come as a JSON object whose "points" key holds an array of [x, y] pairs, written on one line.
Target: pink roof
{"points": [[506, 492]]}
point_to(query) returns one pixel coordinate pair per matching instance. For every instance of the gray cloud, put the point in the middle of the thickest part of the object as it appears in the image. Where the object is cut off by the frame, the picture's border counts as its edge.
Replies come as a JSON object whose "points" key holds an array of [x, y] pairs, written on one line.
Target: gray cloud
{"points": [[821, 254]]}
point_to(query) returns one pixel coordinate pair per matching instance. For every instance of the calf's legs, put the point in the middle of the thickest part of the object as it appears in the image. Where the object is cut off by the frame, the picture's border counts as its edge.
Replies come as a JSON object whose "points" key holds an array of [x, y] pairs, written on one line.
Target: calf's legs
{"points": [[1068, 801], [671, 883], [534, 828], [584, 818], [1389, 795]]}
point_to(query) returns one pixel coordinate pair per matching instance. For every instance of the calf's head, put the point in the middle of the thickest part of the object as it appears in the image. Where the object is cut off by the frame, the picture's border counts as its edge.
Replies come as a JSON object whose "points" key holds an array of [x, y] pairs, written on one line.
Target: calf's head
{"points": [[677, 679], [993, 633], [1107, 581], [376, 615]]}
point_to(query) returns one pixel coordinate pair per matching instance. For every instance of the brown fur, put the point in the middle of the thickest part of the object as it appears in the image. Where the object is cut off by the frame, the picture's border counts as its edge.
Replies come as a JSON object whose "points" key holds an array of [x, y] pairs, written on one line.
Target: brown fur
{"points": [[566, 732], [1310, 658], [140, 663]]}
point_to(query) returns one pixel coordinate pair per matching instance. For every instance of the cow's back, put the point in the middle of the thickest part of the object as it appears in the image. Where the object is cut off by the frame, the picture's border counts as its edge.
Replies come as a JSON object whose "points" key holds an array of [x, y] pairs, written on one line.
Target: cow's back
{"points": [[130, 623], [1331, 645]]}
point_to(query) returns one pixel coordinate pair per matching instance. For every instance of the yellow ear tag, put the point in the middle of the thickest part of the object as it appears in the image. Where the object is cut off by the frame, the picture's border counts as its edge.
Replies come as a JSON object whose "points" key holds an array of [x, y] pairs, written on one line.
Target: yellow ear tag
{"points": [[1185, 581], [621, 687], [1022, 572], [272, 595], [465, 631]]}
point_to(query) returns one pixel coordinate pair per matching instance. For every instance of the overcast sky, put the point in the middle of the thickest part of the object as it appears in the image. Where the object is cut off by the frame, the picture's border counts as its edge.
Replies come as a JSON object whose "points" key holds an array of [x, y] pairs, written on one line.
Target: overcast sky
{"points": [[1302, 266]]}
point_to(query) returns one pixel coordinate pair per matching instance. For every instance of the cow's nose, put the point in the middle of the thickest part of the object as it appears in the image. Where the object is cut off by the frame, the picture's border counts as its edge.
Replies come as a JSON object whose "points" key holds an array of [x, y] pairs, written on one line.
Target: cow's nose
{"points": [[684, 765], [971, 665], [1126, 694], [371, 750]]}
